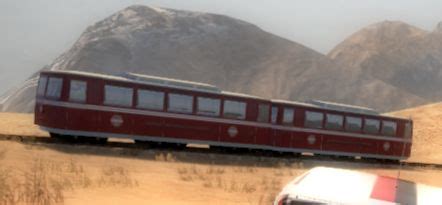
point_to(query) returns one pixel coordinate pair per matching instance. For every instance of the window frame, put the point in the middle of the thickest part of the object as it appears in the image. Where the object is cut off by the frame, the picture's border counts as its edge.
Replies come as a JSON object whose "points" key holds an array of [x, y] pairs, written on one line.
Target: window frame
{"points": [[116, 104], [326, 125], [314, 112], [383, 128], [364, 130], [243, 116], [41, 91], [263, 115], [48, 87], [292, 113], [354, 117], [274, 118], [70, 91], [204, 113], [138, 105], [174, 110]]}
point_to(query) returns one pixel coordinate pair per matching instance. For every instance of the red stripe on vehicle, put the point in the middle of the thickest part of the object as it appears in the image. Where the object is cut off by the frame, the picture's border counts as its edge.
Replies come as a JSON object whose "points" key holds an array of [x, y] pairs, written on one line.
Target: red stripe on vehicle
{"points": [[384, 189]]}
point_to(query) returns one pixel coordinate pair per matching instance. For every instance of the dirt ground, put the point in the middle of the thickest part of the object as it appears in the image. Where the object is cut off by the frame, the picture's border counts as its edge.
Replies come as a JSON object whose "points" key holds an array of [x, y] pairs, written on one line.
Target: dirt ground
{"points": [[83, 174]]}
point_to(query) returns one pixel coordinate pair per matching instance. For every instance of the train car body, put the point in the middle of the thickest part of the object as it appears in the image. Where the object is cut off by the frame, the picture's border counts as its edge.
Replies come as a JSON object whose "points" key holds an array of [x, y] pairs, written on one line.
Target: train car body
{"points": [[148, 108], [323, 185]]}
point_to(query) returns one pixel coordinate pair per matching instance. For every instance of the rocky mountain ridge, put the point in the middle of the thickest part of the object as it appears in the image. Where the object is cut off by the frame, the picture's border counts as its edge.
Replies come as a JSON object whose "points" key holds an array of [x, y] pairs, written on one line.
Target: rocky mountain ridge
{"points": [[394, 52], [236, 56]]}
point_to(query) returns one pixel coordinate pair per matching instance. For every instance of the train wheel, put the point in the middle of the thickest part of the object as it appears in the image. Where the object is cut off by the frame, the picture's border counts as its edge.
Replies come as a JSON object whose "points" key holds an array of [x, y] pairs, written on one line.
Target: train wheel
{"points": [[63, 138], [91, 140], [369, 159], [179, 146], [54, 135], [217, 148], [81, 139], [324, 156], [143, 144], [297, 154], [344, 158], [101, 140], [169, 145], [392, 161]]}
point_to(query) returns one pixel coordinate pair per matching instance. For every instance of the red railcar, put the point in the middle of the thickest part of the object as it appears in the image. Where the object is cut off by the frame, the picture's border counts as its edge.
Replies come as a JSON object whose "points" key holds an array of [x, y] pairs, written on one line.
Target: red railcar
{"points": [[147, 108]]}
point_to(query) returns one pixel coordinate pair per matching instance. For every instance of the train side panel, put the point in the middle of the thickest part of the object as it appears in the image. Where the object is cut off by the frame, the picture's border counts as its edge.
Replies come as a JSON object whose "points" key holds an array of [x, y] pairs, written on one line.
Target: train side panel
{"points": [[253, 131]]}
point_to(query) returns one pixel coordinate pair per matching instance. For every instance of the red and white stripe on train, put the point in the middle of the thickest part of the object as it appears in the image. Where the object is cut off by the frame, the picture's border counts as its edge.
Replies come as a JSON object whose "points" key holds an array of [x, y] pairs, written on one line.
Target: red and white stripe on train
{"points": [[148, 108]]}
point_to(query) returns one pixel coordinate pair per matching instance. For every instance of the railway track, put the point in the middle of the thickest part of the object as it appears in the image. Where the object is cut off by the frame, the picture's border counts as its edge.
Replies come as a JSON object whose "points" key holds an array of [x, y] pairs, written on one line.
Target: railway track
{"points": [[231, 152]]}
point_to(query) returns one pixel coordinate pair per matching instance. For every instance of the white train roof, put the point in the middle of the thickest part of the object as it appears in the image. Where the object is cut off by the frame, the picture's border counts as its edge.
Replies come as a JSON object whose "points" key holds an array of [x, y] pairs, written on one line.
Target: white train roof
{"points": [[331, 106], [293, 103], [344, 107], [159, 81], [172, 82]]}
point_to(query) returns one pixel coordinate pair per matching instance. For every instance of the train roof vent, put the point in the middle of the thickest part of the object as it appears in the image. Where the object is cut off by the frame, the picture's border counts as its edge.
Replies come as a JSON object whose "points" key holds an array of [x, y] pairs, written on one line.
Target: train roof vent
{"points": [[343, 107], [171, 82]]}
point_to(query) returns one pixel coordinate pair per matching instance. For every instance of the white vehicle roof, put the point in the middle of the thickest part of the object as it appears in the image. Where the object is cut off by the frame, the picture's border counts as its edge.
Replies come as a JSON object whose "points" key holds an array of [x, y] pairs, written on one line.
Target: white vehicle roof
{"points": [[339, 186]]}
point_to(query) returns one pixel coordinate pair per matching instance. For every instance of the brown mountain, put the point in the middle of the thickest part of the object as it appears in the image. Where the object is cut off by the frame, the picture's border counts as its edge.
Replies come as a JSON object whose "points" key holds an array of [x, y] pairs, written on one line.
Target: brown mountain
{"points": [[402, 55], [220, 50]]}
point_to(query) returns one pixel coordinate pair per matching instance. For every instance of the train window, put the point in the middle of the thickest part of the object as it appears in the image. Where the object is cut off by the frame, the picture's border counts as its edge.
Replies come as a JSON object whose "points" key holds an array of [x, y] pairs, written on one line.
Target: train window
{"points": [[263, 113], [287, 118], [234, 109], [77, 91], [371, 126], [180, 103], [353, 124], [148, 99], [274, 114], [42, 85], [408, 130], [54, 87], [313, 119], [119, 96], [389, 128], [334, 122], [208, 106]]}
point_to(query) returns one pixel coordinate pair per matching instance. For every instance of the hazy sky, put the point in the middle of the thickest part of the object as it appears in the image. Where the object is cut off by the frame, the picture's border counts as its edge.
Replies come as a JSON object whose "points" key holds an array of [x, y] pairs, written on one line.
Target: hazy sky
{"points": [[34, 32]]}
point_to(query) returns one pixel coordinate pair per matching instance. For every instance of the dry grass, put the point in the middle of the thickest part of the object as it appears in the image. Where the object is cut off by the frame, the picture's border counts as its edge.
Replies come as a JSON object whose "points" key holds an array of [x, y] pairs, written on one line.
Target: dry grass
{"points": [[116, 176], [248, 181], [111, 176], [2, 153], [46, 181], [33, 187]]}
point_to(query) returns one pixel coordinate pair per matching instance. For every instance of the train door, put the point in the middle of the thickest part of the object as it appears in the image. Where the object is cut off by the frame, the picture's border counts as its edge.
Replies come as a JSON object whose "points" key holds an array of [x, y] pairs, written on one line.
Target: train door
{"points": [[308, 138], [208, 110], [55, 116], [282, 135], [80, 118], [149, 101], [239, 130], [262, 129], [118, 98]]}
